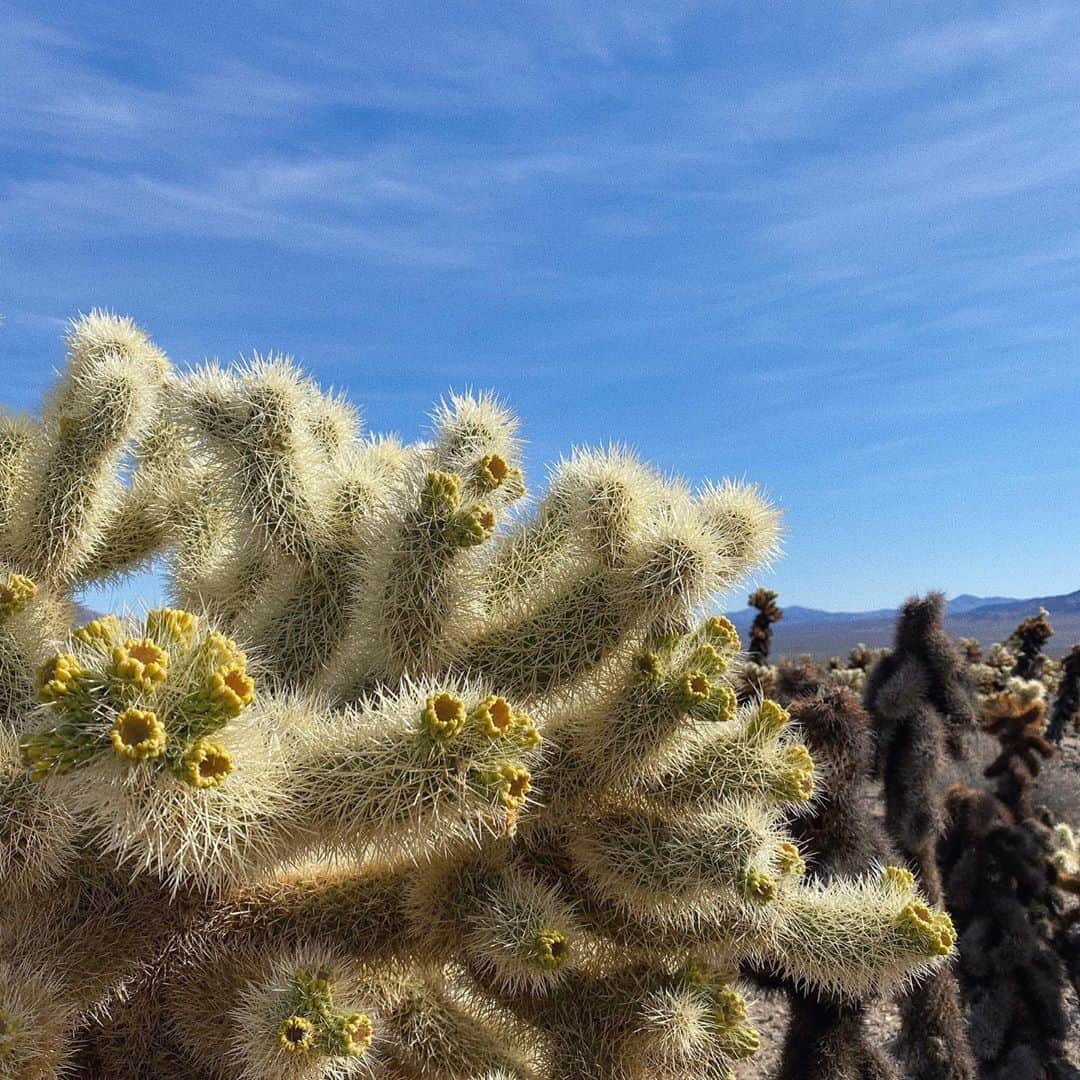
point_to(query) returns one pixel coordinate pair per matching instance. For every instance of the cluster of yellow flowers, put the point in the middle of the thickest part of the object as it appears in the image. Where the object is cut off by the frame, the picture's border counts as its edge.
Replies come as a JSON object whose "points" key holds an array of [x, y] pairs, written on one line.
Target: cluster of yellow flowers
{"points": [[165, 690], [931, 929], [16, 592], [315, 1026]]}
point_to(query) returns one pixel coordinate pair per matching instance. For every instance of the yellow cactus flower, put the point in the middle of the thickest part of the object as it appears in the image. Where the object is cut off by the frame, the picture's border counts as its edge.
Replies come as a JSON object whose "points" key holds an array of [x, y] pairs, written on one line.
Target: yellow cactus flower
{"points": [[730, 1007], [473, 527], [443, 716], [493, 471], [232, 689], [789, 860], [173, 624], [296, 1034], [142, 663], [931, 929], [15, 593], [899, 876], [207, 764], [515, 783], [760, 886], [494, 716], [649, 665], [101, 634], [741, 1042], [59, 676], [354, 1034], [550, 949], [722, 633], [727, 703], [692, 688], [441, 494], [138, 734]]}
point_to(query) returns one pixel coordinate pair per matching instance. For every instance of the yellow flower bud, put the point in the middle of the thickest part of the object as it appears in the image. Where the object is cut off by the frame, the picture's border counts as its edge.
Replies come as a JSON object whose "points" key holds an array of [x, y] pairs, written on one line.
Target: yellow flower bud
{"points": [[789, 860], [760, 886], [232, 689], [59, 676], [770, 720], [551, 949], [722, 633], [730, 1006], [441, 494], [530, 737], [727, 702], [221, 651], [15, 593], [933, 931], [101, 633], [903, 878], [741, 1042], [173, 624]]}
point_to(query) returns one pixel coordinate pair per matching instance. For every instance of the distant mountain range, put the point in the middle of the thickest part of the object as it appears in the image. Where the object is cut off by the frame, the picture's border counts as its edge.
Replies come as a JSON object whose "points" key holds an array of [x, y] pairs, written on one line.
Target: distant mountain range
{"points": [[835, 633], [988, 618]]}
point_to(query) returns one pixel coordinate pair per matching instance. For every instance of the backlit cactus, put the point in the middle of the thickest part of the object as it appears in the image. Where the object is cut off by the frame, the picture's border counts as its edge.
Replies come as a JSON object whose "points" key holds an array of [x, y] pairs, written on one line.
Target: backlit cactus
{"points": [[404, 785], [922, 709]]}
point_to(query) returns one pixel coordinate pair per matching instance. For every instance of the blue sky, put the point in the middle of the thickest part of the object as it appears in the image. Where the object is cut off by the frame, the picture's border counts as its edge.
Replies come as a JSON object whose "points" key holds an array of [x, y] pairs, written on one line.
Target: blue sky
{"points": [[832, 247]]}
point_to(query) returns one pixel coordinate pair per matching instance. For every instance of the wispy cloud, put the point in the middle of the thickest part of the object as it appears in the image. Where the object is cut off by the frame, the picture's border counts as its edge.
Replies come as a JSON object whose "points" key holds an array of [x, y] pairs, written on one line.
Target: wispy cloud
{"points": [[858, 218]]}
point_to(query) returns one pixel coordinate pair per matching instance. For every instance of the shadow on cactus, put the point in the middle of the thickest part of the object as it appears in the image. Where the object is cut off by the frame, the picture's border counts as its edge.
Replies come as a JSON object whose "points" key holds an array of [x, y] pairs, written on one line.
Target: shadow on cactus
{"points": [[408, 782]]}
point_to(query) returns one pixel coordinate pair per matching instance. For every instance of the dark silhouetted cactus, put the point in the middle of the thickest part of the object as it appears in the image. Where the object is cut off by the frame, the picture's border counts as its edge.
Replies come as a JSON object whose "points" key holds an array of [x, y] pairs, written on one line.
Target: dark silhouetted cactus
{"points": [[1029, 639], [1016, 717], [1001, 891], [1066, 711], [768, 612], [921, 709], [827, 1038]]}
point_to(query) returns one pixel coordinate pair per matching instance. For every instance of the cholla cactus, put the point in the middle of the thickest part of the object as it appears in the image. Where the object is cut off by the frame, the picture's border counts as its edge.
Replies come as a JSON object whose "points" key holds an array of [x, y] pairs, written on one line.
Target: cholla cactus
{"points": [[827, 1038], [994, 670], [1029, 638], [1016, 716], [768, 612], [1014, 952], [1066, 711], [400, 787], [971, 649], [921, 710]]}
